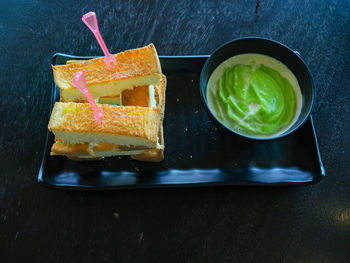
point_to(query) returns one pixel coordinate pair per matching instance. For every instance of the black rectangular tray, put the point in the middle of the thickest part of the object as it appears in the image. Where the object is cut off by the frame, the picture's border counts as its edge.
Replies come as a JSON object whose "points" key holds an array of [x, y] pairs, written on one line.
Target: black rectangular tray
{"points": [[197, 152]]}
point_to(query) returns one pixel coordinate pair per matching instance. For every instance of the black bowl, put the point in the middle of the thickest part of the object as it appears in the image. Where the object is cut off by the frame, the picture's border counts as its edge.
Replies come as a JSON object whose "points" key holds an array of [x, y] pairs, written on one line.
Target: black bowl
{"points": [[270, 48]]}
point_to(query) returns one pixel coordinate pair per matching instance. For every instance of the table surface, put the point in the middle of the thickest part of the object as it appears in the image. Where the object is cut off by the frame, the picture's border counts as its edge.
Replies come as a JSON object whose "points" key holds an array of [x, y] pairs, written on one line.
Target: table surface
{"points": [[215, 224]]}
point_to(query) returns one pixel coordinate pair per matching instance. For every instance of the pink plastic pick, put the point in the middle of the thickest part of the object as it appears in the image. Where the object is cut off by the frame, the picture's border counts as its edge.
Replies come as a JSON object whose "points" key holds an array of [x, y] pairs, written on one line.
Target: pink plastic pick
{"points": [[91, 21], [80, 83]]}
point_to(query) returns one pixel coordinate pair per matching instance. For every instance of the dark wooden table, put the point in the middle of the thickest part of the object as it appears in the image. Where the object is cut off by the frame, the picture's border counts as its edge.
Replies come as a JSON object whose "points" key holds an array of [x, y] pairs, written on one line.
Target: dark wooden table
{"points": [[218, 224]]}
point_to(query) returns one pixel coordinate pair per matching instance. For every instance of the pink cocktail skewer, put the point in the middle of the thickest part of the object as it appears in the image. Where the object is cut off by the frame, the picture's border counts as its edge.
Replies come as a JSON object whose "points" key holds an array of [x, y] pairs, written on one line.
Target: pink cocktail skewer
{"points": [[91, 21], [80, 83]]}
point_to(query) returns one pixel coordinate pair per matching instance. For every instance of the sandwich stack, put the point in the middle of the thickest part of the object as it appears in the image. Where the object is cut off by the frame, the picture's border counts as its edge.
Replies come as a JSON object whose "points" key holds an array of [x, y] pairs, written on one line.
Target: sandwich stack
{"points": [[132, 96]]}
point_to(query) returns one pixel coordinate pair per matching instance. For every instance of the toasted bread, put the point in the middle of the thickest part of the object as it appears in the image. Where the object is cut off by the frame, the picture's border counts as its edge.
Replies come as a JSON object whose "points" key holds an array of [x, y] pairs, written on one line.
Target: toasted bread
{"points": [[88, 151], [136, 67], [155, 154], [74, 123]]}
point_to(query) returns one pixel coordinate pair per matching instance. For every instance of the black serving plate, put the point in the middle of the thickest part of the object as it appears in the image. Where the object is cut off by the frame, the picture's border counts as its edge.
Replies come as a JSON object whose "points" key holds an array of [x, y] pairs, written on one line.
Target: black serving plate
{"points": [[198, 152]]}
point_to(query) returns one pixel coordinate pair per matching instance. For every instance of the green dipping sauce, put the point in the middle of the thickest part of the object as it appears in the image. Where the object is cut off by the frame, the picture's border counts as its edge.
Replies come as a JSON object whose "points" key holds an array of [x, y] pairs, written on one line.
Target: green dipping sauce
{"points": [[254, 98]]}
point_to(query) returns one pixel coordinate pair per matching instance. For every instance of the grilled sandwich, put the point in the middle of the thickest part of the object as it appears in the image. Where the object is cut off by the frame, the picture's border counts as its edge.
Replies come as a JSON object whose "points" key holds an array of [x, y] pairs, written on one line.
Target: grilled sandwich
{"points": [[134, 113]]}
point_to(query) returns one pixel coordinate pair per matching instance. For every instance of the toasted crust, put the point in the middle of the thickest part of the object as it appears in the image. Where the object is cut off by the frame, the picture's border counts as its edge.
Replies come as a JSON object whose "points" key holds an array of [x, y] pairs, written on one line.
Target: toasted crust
{"points": [[74, 61], [132, 125], [136, 67], [161, 89], [83, 158]]}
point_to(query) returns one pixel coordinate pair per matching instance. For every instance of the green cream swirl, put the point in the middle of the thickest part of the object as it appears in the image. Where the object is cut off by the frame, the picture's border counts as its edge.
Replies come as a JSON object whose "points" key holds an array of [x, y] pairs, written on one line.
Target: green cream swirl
{"points": [[256, 98]]}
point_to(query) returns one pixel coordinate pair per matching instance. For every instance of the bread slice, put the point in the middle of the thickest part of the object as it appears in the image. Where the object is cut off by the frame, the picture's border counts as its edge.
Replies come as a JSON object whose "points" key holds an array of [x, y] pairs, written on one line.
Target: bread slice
{"points": [[136, 67], [89, 151], [106, 150], [155, 154], [74, 61], [74, 123]]}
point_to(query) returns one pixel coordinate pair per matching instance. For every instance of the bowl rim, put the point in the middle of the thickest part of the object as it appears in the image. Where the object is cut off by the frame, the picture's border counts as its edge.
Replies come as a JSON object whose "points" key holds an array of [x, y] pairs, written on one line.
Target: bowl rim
{"points": [[255, 38]]}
